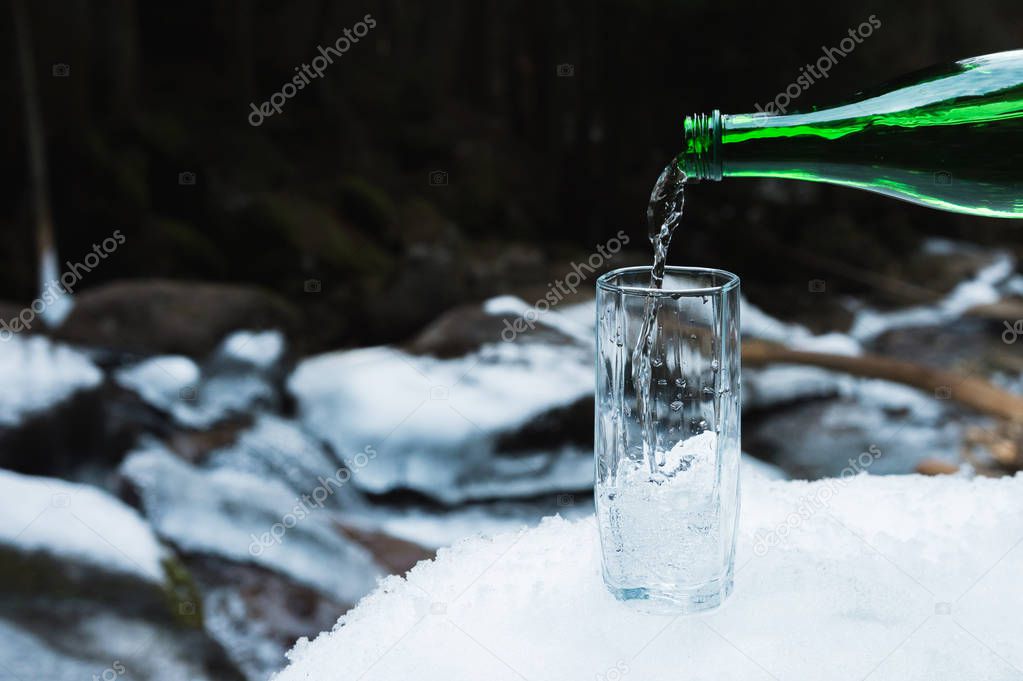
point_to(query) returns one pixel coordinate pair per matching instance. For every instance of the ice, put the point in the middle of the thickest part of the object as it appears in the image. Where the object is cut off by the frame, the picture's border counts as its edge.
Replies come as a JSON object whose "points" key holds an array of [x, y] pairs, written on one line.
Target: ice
{"points": [[900, 577], [37, 373], [227, 511], [72, 520]]}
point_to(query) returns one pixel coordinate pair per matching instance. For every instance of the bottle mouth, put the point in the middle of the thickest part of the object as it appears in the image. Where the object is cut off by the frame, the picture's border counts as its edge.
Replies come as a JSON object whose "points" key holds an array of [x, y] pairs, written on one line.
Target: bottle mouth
{"points": [[701, 142]]}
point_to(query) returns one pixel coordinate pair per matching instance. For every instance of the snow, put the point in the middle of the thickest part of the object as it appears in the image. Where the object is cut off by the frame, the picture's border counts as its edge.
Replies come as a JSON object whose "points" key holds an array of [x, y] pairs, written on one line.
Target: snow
{"points": [[77, 522], [60, 303], [261, 349], [37, 374], [433, 528], [436, 423], [196, 398], [900, 577], [244, 516], [565, 320], [982, 289]]}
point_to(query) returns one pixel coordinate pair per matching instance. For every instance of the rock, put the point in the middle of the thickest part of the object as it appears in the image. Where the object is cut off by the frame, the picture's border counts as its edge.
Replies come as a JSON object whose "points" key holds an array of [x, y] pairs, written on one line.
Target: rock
{"points": [[38, 374], [69, 641], [242, 376], [225, 509], [396, 555], [10, 311], [256, 614], [74, 555], [465, 329], [457, 427], [156, 316]]}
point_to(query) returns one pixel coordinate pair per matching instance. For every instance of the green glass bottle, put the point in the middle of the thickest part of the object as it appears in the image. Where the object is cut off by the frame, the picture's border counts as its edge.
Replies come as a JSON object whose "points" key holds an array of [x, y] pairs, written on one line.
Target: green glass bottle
{"points": [[949, 138]]}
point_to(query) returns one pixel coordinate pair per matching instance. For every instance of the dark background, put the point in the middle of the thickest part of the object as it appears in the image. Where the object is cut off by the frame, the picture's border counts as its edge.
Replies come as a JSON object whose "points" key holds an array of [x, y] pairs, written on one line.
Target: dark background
{"points": [[540, 168]]}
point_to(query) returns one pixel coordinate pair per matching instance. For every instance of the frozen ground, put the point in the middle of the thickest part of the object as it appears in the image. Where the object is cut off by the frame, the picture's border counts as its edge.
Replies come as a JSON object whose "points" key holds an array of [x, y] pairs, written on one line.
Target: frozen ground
{"points": [[900, 577]]}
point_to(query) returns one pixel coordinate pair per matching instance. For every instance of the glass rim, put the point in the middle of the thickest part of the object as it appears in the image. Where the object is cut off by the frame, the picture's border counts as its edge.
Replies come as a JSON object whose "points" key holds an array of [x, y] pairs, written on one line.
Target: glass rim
{"points": [[604, 282]]}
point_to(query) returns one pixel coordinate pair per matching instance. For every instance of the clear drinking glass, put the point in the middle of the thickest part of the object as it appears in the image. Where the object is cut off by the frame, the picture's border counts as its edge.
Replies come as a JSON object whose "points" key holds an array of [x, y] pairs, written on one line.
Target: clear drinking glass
{"points": [[668, 504]]}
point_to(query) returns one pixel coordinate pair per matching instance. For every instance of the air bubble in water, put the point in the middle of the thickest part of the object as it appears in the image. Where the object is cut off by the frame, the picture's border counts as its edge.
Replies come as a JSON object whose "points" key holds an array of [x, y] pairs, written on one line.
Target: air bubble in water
{"points": [[676, 405]]}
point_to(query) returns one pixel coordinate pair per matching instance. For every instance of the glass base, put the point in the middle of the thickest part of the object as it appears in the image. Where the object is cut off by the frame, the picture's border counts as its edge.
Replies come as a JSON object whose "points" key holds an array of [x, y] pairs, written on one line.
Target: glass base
{"points": [[703, 598]]}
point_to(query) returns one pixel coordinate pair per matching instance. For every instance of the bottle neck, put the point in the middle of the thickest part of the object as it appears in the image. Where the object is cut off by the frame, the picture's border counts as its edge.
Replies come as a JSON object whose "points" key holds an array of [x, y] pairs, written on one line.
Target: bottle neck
{"points": [[701, 146]]}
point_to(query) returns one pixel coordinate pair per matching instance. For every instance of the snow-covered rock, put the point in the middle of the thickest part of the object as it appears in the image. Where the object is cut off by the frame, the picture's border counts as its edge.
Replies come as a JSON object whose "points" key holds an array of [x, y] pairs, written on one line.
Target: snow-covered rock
{"points": [[899, 577], [236, 380], [984, 288], [246, 516], [37, 374], [444, 427], [103, 645], [432, 527], [78, 524]]}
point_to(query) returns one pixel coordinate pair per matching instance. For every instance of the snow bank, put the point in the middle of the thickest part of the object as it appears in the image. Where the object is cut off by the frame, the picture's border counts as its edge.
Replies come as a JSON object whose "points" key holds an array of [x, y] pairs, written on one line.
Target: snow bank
{"points": [[37, 373], [79, 522], [888, 577]]}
